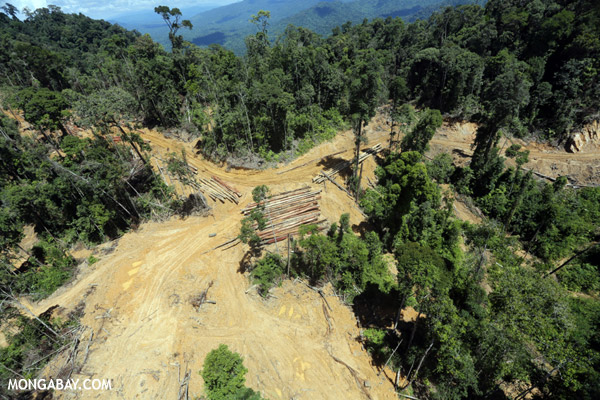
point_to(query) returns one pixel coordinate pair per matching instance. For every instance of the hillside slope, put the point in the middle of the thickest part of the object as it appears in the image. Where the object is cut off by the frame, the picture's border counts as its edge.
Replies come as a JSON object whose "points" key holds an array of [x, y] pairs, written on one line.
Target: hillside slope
{"points": [[137, 298], [137, 304], [325, 16]]}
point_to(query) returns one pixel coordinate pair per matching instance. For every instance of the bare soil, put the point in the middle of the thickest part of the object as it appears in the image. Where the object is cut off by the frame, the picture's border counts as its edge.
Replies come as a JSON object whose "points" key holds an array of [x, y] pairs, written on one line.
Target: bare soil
{"points": [[147, 333], [581, 168]]}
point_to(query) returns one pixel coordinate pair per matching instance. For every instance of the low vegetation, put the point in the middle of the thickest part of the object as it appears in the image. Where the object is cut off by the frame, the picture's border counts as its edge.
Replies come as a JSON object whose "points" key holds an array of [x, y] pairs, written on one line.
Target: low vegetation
{"points": [[30, 344], [224, 376]]}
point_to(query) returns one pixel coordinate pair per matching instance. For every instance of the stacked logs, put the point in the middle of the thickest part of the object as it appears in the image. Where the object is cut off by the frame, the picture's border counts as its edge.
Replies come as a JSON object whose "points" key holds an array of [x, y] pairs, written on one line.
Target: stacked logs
{"points": [[217, 189], [286, 213], [345, 164]]}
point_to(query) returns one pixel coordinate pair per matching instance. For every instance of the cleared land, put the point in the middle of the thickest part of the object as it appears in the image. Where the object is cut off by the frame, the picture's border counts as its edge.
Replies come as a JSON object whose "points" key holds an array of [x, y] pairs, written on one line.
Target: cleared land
{"points": [[146, 332]]}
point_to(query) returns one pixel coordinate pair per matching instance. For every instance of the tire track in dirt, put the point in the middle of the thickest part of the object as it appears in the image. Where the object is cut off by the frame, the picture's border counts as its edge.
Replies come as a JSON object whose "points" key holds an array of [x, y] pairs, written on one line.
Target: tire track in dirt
{"points": [[152, 332]]}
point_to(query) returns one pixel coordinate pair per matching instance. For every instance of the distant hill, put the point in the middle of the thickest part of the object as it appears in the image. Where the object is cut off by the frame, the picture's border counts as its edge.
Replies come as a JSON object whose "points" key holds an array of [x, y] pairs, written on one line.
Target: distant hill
{"points": [[229, 25], [150, 22], [325, 16]]}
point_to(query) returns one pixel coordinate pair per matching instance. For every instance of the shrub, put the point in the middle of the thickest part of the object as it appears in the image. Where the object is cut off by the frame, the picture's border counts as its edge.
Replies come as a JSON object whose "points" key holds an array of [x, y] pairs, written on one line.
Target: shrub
{"points": [[53, 269], [441, 168], [224, 376], [580, 277], [266, 272]]}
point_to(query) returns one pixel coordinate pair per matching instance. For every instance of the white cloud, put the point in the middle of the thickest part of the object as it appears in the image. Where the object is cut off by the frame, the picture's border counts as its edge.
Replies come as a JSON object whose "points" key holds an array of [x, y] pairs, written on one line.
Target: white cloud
{"points": [[108, 8], [31, 4]]}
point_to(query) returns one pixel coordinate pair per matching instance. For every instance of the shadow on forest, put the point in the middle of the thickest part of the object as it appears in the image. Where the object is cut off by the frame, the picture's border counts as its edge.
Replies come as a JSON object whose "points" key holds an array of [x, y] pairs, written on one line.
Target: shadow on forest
{"points": [[381, 156], [246, 262], [249, 259], [374, 308], [362, 228]]}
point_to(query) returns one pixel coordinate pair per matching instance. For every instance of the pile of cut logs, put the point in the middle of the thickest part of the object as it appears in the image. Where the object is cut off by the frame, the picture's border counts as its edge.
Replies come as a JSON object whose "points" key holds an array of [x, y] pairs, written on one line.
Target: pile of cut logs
{"points": [[286, 213], [217, 189], [345, 164]]}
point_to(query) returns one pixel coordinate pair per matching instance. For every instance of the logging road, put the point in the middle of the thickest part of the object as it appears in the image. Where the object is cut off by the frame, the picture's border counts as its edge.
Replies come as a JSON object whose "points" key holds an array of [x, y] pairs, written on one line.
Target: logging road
{"points": [[152, 332]]}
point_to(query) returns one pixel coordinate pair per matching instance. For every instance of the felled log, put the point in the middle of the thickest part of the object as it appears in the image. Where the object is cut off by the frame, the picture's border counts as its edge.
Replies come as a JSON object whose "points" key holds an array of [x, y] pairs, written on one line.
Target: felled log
{"points": [[276, 197], [283, 202], [227, 186]]}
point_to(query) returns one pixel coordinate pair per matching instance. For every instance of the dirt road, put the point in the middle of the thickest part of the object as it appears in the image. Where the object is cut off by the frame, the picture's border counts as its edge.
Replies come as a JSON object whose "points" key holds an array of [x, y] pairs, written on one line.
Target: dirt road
{"points": [[146, 332], [582, 168]]}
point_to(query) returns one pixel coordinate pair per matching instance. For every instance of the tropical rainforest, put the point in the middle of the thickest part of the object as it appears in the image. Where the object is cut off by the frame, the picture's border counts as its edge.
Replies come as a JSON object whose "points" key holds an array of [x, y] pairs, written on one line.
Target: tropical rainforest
{"points": [[513, 300]]}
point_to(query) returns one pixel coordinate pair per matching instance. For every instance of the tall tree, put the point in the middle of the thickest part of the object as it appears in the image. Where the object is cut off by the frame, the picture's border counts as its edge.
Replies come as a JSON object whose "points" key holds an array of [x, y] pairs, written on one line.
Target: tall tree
{"points": [[364, 84], [172, 17], [418, 139]]}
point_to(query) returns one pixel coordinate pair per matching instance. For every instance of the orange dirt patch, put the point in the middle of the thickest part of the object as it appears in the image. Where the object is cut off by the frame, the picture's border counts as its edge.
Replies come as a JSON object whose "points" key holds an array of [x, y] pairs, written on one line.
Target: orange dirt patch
{"points": [[582, 168], [144, 325], [146, 332], [409, 314], [463, 212]]}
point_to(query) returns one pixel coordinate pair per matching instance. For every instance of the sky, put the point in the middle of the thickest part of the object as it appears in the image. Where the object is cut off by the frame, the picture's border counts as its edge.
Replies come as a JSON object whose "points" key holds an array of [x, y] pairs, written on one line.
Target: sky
{"points": [[109, 8]]}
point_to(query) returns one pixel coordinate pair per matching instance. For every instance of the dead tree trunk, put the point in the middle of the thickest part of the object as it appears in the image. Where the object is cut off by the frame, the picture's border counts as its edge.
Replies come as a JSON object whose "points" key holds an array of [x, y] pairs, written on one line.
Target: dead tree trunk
{"points": [[288, 255], [572, 258], [131, 143], [414, 330], [357, 150], [416, 373], [358, 183]]}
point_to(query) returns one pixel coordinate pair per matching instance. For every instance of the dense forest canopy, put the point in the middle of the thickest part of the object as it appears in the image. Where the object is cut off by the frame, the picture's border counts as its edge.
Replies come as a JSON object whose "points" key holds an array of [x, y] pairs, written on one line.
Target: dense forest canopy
{"points": [[523, 68], [494, 302]]}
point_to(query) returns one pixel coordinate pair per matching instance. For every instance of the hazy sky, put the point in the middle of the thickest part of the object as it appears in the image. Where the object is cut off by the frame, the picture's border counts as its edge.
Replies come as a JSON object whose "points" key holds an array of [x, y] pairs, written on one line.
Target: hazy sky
{"points": [[109, 8]]}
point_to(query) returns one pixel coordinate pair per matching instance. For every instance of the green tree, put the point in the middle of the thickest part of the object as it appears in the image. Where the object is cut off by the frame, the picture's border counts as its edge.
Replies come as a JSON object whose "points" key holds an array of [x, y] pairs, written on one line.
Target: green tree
{"points": [[405, 116], [257, 219], [364, 83], [398, 112], [267, 271], [224, 376], [108, 108], [172, 17], [44, 109], [418, 139], [441, 168], [404, 186]]}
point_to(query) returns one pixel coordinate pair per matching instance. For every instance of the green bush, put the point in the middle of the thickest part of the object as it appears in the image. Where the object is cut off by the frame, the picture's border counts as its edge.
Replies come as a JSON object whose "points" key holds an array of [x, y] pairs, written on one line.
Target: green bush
{"points": [[441, 168], [259, 193], [267, 271], [53, 269], [29, 343], [580, 277], [224, 376]]}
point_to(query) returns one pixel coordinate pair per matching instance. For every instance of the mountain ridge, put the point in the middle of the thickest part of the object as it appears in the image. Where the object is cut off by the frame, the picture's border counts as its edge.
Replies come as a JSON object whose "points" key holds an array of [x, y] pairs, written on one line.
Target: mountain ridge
{"points": [[228, 25]]}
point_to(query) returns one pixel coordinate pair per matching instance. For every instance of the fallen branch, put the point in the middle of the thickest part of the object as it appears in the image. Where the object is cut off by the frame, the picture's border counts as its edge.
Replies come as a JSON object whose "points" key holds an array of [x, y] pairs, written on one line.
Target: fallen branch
{"points": [[222, 244], [87, 349], [359, 381], [199, 300], [336, 184]]}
